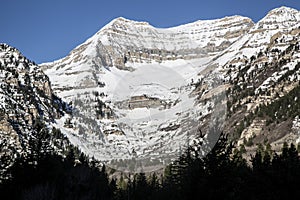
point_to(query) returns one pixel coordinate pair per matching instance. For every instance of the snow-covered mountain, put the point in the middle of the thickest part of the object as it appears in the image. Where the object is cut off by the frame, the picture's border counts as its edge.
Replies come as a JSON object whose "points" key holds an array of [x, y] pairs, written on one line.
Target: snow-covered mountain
{"points": [[132, 85], [143, 94]]}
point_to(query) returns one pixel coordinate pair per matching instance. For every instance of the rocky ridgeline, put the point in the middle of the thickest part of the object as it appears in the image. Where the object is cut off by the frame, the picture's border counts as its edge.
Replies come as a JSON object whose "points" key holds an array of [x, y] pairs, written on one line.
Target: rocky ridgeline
{"points": [[125, 41]]}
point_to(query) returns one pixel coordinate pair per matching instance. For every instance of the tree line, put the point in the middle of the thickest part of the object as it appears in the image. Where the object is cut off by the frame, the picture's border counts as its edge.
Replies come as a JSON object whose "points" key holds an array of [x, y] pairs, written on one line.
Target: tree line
{"points": [[223, 174]]}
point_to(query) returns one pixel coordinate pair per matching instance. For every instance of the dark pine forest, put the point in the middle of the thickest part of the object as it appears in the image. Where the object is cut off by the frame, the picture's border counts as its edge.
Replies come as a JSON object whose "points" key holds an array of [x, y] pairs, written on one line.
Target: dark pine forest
{"points": [[222, 174]]}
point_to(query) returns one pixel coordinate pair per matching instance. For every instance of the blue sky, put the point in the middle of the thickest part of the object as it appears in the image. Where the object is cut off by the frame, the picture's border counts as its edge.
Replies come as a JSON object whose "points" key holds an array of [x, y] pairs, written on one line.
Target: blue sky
{"points": [[45, 30]]}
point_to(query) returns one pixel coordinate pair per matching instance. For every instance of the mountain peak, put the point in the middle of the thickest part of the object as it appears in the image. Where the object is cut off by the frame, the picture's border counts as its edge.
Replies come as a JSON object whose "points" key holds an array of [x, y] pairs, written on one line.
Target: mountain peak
{"points": [[281, 17], [121, 21], [283, 9], [125, 20], [284, 13]]}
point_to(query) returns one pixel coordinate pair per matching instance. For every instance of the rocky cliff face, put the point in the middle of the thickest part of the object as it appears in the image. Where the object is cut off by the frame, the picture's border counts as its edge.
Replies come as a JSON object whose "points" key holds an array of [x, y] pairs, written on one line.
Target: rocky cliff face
{"points": [[27, 103]]}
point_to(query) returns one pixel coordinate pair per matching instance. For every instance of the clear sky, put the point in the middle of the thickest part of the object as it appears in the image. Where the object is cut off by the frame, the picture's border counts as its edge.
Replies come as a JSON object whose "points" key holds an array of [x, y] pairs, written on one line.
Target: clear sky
{"points": [[45, 30]]}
